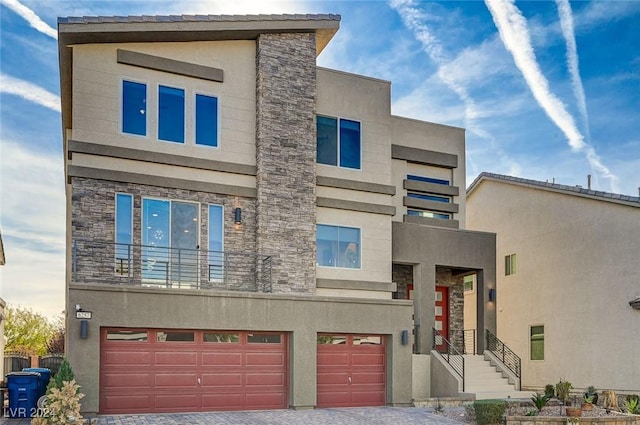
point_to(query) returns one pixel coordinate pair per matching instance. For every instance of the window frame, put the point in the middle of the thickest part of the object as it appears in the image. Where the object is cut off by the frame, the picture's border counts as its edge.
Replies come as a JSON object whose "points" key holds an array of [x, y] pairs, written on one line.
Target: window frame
{"points": [[510, 264], [339, 142], [121, 107], [194, 102], [360, 253], [531, 340]]}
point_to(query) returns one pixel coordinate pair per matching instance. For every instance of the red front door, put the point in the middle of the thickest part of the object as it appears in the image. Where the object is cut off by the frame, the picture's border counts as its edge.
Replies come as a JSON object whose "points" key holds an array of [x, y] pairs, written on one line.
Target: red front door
{"points": [[442, 316]]}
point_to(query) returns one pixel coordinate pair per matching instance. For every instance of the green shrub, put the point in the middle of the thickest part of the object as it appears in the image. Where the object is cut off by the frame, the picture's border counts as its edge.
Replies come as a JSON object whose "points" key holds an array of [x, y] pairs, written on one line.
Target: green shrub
{"points": [[539, 400], [562, 390], [65, 374], [489, 411], [632, 404], [549, 390]]}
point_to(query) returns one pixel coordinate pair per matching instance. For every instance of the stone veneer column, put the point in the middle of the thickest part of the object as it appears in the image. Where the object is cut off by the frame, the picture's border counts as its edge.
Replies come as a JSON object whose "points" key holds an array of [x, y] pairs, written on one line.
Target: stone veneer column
{"points": [[286, 158]]}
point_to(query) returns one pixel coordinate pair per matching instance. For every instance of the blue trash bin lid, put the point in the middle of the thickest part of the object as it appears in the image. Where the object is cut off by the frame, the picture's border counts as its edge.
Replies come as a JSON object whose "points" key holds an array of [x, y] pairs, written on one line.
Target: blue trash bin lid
{"points": [[23, 374]]}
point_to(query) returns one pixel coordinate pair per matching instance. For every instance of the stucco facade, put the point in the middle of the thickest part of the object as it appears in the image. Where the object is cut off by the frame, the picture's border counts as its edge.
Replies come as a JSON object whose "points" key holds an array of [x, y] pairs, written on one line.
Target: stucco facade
{"points": [[264, 182], [575, 274]]}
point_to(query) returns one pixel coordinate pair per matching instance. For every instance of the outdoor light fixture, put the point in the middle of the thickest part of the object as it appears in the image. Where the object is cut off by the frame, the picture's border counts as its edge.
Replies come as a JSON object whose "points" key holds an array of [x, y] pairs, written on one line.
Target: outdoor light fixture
{"points": [[84, 329], [405, 337], [238, 216], [492, 294]]}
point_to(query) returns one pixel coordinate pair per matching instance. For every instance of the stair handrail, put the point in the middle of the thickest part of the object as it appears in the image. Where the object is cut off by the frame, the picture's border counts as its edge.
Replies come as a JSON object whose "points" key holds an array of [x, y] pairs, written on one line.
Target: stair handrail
{"points": [[457, 362], [504, 354]]}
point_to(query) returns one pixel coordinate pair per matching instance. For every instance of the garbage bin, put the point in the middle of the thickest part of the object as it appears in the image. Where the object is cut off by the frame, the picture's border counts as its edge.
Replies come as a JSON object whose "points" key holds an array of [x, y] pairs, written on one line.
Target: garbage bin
{"points": [[23, 394], [45, 375]]}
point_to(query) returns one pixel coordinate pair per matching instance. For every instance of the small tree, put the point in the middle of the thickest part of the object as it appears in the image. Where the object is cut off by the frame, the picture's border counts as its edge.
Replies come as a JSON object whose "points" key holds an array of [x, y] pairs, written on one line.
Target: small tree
{"points": [[65, 374], [63, 405], [26, 330]]}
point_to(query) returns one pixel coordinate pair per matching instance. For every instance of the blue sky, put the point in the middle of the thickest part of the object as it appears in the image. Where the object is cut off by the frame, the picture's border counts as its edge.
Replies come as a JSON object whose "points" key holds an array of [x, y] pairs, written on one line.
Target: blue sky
{"points": [[547, 90]]}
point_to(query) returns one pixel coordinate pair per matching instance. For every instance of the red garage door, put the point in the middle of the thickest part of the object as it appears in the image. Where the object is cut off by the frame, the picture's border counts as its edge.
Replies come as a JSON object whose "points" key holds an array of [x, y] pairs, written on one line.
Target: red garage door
{"points": [[153, 370], [351, 370]]}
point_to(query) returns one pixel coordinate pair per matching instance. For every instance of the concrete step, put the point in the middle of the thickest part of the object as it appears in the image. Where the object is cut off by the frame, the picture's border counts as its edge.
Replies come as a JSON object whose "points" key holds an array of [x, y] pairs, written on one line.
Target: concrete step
{"points": [[484, 380]]}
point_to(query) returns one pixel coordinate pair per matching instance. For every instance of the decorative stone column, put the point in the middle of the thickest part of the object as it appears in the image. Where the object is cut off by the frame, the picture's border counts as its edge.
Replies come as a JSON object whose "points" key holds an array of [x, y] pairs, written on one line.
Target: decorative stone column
{"points": [[286, 158]]}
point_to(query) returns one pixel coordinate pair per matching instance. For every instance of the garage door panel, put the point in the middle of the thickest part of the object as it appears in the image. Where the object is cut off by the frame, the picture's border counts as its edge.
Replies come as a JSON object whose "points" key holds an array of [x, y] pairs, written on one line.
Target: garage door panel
{"points": [[182, 380], [333, 398], [338, 359], [128, 403], [360, 359], [333, 378], [367, 378], [270, 379], [176, 358], [265, 401], [176, 402], [265, 359], [222, 379], [130, 358], [367, 398], [127, 380], [221, 359], [222, 401]]}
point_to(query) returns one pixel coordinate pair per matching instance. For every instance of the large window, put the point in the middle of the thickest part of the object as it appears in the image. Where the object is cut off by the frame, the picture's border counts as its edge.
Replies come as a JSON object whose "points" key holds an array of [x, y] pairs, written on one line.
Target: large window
{"points": [[338, 246], [216, 242], [206, 120], [171, 114], [338, 142], [134, 108], [536, 336], [124, 232], [510, 264]]}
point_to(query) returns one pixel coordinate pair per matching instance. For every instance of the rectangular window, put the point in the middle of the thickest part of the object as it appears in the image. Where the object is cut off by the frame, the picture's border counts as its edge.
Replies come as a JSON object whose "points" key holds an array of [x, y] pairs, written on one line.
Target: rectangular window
{"points": [[128, 335], [263, 339], [430, 214], [468, 283], [339, 142], [510, 264], [134, 108], [338, 246], [427, 179], [427, 197], [537, 342], [221, 337], [171, 114], [206, 120], [175, 336], [124, 232], [216, 242]]}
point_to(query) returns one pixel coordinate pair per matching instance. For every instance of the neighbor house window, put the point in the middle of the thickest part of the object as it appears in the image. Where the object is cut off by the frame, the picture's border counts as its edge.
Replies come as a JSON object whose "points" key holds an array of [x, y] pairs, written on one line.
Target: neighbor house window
{"points": [[206, 120], [537, 342], [171, 114], [510, 264], [338, 246], [134, 108], [124, 232], [216, 242], [338, 142]]}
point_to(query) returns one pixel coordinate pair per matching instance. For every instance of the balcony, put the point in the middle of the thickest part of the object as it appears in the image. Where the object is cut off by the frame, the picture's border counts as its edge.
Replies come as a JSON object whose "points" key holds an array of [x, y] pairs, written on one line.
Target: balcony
{"points": [[97, 262]]}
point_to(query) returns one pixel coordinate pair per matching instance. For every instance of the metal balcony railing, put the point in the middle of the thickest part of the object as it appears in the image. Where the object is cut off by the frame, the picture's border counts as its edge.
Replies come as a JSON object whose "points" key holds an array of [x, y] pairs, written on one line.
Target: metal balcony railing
{"points": [[97, 262], [449, 353], [508, 358]]}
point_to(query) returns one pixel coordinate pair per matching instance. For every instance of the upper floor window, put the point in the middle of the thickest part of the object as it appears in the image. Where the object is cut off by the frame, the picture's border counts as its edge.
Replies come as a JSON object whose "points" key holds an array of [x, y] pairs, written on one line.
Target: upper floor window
{"points": [[510, 264], [134, 108], [430, 214], [338, 142], [429, 197], [536, 341], [171, 114], [427, 179], [206, 120], [338, 246]]}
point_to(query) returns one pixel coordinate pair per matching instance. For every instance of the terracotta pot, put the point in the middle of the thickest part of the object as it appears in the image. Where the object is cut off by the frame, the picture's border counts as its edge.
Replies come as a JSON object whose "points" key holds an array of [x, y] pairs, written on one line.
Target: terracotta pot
{"points": [[575, 412], [587, 406]]}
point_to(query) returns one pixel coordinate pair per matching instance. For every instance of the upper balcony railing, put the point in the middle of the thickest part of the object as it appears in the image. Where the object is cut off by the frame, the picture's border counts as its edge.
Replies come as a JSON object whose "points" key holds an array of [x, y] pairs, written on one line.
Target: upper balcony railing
{"points": [[97, 262]]}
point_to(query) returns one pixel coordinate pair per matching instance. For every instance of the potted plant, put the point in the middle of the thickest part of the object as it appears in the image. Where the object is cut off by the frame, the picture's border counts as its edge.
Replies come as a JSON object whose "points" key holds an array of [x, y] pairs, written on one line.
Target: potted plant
{"points": [[549, 391], [562, 391], [573, 411], [591, 392], [587, 402]]}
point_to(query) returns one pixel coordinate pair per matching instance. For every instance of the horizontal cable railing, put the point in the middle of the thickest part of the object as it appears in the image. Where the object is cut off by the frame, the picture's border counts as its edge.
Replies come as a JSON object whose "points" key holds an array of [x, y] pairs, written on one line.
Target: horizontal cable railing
{"points": [[508, 358], [153, 266], [449, 353]]}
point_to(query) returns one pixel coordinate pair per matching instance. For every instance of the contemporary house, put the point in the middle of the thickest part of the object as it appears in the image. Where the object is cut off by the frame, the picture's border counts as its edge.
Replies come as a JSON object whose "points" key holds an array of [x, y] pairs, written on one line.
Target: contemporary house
{"points": [[567, 279], [246, 230]]}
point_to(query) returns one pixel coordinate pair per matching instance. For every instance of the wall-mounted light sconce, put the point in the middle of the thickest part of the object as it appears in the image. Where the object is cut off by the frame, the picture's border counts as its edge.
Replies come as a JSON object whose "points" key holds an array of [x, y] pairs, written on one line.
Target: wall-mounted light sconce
{"points": [[237, 214], [492, 295], [84, 329], [405, 337]]}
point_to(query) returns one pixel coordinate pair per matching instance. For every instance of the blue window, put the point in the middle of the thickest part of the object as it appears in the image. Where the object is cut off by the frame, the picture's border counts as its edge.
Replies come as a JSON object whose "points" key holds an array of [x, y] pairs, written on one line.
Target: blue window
{"points": [[216, 242], [124, 232], [427, 179], [338, 142], [430, 214], [171, 114], [134, 108], [338, 246], [155, 238], [427, 197], [206, 120]]}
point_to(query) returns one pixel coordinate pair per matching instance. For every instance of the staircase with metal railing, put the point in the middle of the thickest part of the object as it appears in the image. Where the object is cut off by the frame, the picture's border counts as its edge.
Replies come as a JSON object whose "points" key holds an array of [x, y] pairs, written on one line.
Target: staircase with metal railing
{"points": [[449, 353], [505, 355]]}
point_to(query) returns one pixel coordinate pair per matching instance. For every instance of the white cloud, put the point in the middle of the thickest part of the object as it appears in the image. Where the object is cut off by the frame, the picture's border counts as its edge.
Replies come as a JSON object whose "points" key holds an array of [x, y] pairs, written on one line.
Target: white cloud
{"points": [[514, 33], [30, 16], [29, 91]]}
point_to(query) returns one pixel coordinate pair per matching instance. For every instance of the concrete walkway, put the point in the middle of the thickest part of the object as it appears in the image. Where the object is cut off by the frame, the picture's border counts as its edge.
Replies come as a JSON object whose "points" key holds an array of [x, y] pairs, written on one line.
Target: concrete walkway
{"points": [[347, 416]]}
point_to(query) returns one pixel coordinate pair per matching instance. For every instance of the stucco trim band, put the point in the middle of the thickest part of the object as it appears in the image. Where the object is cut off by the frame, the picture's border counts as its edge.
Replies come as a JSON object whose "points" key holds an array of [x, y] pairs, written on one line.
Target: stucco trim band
{"points": [[158, 63], [342, 204], [159, 158], [165, 182], [356, 284], [415, 219], [430, 205], [355, 185], [423, 156], [439, 189]]}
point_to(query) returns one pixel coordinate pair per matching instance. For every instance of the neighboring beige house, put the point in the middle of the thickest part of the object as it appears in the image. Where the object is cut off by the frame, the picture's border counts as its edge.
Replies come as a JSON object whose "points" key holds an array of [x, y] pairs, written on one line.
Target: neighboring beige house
{"points": [[568, 280], [246, 230]]}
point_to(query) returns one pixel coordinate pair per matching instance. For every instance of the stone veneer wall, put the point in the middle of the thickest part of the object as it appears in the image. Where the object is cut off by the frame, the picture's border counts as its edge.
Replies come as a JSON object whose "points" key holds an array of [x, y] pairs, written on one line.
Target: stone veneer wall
{"points": [[286, 157], [402, 275], [444, 277], [93, 216]]}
